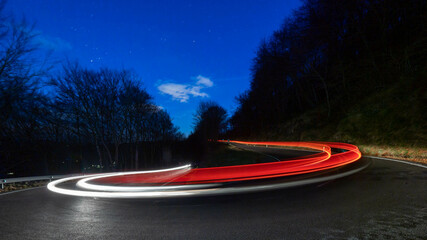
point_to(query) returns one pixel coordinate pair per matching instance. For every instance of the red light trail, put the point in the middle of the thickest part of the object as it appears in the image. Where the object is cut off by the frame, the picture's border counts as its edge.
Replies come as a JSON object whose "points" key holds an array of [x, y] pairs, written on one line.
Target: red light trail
{"points": [[312, 163], [188, 181]]}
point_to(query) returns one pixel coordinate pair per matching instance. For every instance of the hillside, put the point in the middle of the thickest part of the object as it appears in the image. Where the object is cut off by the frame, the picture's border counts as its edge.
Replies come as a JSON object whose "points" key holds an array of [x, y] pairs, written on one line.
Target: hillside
{"points": [[350, 71]]}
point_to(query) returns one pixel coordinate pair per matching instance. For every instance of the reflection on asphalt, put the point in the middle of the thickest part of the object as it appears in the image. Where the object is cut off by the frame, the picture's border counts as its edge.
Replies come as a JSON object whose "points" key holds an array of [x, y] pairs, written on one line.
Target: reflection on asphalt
{"points": [[385, 201]]}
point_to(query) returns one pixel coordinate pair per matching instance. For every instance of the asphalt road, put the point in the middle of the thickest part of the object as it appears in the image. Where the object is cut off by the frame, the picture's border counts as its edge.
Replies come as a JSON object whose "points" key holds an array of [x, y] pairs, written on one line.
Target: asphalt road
{"points": [[385, 201], [275, 153]]}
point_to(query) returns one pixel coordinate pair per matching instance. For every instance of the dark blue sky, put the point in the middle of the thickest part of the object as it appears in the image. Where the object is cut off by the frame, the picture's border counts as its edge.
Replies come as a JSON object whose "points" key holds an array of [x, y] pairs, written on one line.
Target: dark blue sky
{"points": [[184, 51]]}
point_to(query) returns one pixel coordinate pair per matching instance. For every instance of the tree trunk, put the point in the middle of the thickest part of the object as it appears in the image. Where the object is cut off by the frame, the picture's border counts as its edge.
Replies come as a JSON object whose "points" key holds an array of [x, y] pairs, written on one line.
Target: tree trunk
{"points": [[99, 153], [325, 86], [136, 157], [108, 152], [116, 154]]}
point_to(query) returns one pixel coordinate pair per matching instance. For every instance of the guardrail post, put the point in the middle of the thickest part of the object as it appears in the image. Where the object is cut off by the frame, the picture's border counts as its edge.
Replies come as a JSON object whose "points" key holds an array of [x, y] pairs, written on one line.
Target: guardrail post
{"points": [[50, 179]]}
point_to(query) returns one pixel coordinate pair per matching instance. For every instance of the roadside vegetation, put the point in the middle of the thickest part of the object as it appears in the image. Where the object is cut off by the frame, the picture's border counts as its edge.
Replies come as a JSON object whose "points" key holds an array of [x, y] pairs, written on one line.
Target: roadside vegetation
{"points": [[350, 71], [72, 119], [9, 187]]}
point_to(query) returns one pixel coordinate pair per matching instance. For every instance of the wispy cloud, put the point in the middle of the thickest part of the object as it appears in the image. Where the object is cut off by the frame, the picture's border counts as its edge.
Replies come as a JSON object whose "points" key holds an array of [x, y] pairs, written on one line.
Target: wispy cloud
{"points": [[204, 81], [183, 92], [41, 39], [52, 43]]}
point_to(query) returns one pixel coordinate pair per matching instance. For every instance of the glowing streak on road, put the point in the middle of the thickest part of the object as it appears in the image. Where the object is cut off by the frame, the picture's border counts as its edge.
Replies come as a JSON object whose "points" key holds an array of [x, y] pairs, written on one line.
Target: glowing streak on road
{"points": [[52, 186], [184, 181], [83, 183], [312, 163], [198, 192]]}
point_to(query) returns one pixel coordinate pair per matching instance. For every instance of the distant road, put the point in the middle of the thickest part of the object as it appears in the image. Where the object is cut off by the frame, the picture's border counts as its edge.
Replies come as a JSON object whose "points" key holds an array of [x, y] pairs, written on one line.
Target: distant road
{"points": [[388, 200], [276, 153]]}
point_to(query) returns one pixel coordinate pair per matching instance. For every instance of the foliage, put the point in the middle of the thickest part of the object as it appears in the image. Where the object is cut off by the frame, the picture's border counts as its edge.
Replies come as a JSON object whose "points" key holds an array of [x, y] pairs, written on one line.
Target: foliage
{"points": [[328, 61], [22, 105], [210, 121], [108, 109], [80, 116]]}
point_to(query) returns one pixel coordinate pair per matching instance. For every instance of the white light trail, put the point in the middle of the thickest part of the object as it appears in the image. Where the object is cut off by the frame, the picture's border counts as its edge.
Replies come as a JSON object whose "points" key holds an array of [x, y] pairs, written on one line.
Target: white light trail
{"points": [[182, 170], [53, 186], [191, 192]]}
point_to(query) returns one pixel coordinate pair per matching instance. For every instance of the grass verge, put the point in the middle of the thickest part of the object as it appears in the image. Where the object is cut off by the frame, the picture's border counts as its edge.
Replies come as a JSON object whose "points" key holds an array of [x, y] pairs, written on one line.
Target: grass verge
{"points": [[413, 154], [9, 187]]}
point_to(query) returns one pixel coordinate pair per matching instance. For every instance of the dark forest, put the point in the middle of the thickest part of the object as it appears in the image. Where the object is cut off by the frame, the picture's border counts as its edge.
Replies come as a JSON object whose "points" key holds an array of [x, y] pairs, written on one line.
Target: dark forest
{"points": [[352, 71]]}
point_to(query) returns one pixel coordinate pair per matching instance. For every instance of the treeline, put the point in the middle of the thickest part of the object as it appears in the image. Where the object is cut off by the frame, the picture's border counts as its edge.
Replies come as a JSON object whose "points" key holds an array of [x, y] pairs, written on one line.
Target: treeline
{"points": [[210, 122], [78, 120], [110, 110], [359, 66]]}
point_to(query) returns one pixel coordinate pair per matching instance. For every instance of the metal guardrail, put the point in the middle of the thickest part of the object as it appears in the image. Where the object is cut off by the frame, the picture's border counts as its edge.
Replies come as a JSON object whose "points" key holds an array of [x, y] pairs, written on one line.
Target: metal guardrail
{"points": [[36, 178]]}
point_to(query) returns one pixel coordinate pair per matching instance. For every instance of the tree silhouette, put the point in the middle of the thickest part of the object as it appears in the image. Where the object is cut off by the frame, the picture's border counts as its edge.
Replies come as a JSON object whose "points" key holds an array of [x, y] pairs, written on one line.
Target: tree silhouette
{"points": [[111, 109], [210, 121], [327, 57], [23, 107]]}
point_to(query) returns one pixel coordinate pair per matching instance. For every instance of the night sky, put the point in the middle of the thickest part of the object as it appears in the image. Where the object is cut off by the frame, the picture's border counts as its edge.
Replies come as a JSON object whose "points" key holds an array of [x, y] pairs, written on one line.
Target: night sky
{"points": [[184, 51]]}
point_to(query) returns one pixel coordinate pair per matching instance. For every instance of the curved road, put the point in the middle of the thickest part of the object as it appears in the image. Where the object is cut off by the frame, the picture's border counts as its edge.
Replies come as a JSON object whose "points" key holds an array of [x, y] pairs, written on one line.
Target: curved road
{"points": [[388, 200]]}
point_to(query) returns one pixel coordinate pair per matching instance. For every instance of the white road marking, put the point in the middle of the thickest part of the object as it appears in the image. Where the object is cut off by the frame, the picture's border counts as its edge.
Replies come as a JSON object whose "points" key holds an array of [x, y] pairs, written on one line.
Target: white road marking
{"points": [[400, 161]]}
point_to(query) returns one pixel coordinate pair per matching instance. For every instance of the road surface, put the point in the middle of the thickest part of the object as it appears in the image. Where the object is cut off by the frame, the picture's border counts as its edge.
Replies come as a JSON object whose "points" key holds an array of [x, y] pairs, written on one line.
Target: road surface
{"points": [[387, 200]]}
